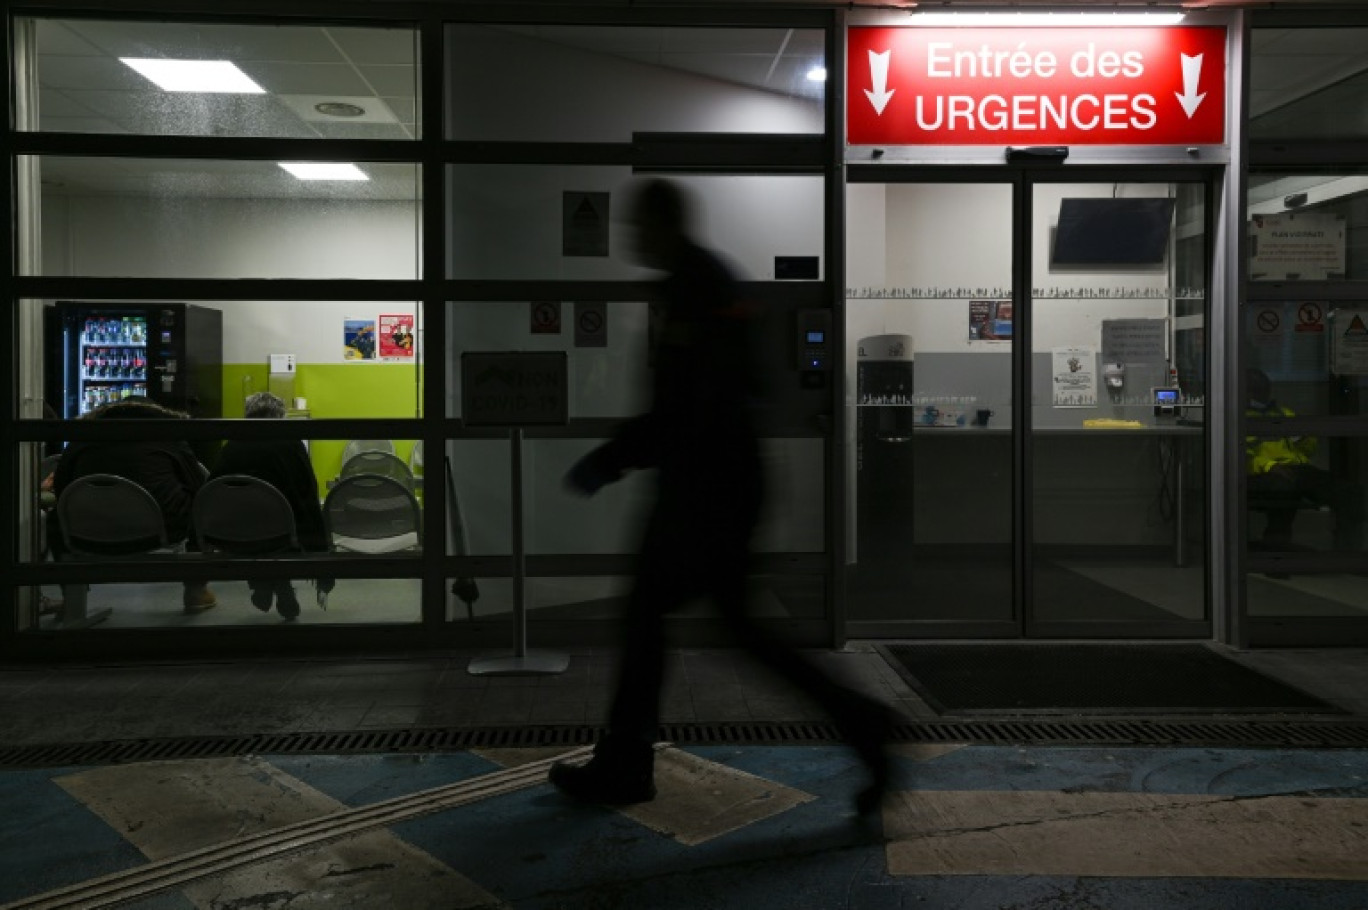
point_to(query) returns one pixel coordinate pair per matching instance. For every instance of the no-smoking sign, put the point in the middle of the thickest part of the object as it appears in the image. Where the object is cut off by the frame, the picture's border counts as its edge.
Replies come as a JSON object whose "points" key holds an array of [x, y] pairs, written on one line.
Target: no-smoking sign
{"points": [[591, 324], [1268, 321]]}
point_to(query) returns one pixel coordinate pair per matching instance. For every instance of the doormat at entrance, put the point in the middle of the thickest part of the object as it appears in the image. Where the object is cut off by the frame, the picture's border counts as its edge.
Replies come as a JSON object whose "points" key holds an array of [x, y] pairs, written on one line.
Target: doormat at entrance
{"points": [[1014, 678]]}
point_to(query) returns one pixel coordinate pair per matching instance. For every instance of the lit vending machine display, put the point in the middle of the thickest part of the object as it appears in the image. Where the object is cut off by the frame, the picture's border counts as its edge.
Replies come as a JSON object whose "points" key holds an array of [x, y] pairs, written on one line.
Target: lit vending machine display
{"points": [[112, 360]]}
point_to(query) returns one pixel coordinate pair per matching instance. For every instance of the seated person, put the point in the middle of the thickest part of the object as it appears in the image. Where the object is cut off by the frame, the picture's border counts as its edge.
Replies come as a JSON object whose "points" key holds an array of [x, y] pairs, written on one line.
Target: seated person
{"points": [[166, 468], [1281, 476], [285, 465]]}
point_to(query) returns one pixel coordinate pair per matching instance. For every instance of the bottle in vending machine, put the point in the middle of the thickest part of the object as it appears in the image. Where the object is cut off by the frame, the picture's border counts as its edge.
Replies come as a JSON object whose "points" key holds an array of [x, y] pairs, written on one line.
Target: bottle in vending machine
{"points": [[89, 362]]}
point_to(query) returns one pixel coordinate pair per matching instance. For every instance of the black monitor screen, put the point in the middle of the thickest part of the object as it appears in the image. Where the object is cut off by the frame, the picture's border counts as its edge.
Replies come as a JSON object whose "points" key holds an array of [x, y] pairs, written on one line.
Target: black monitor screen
{"points": [[1112, 231]]}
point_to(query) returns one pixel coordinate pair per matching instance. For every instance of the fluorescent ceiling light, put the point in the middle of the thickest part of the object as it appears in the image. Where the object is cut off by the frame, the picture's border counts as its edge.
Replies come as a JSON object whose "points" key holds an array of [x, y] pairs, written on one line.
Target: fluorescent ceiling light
{"points": [[1063, 19], [817, 74], [324, 170], [195, 75]]}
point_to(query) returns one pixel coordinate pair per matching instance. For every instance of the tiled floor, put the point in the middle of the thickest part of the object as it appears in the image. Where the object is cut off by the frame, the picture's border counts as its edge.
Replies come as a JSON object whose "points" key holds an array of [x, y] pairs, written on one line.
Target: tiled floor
{"points": [[737, 826]]}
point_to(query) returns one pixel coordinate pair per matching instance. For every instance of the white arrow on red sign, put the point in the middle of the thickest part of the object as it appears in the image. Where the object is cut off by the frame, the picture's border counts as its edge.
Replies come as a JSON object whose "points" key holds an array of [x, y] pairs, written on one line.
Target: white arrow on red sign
{"points": [[878, 74], [1192, 77]]}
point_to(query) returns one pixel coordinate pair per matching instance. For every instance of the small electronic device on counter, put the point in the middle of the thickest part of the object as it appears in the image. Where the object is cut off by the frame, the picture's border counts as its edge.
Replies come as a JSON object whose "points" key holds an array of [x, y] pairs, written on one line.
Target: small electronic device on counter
{"points": [[1165, 401]]}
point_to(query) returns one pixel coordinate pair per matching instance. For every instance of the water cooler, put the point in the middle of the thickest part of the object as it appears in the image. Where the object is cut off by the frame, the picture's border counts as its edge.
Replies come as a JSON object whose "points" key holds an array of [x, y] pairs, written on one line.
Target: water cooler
{"points": [[885, 417]]}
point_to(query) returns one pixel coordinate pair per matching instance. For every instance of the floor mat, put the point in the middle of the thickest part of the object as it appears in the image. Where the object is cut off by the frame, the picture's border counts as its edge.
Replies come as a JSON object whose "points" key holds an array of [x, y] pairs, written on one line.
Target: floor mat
{"points": [[1022, 677]]}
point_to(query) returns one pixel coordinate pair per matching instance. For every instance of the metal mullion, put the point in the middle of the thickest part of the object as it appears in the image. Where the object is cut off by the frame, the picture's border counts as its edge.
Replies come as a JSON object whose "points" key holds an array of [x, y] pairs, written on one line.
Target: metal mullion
{"points": [[582, 14], [226, 148], [434, 202], [214, 428], [9, 381], [835, 496], [96, 288], [1023, 488], [523, 290], [249, 12], [191, 566]]}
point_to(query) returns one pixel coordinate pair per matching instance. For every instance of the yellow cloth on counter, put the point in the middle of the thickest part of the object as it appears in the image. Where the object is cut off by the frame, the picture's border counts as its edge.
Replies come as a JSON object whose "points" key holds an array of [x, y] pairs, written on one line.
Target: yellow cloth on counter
{"points": [[1112, 423]]}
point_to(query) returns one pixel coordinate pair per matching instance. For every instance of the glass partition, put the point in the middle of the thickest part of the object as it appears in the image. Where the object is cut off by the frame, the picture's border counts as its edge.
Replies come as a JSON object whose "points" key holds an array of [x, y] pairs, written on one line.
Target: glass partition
{"points": [[210, 79], [929, 336], [1118, 375], [524, 222], [642, 79], [1308, 83], [170, 218]]}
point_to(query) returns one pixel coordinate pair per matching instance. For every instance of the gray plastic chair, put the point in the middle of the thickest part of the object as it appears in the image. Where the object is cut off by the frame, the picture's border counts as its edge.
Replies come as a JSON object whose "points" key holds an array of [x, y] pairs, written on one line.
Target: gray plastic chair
{"points": [[239, 515], [383, 464], [371, 513], [366, 445], [104, 516]]}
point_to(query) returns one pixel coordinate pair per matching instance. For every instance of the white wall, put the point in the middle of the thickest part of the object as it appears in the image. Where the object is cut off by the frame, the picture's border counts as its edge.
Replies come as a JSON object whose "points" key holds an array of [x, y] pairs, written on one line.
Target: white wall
{"points": [[242, 238]]}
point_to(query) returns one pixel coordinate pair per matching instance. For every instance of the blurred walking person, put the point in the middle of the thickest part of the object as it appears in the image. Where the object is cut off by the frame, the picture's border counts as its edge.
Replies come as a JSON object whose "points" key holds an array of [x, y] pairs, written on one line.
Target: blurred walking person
{"points": [[700, 435]]}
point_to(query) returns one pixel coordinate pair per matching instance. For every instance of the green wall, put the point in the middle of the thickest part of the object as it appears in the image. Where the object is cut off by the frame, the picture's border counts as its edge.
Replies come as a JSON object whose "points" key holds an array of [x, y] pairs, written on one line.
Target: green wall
{"points": [[337, 391]]}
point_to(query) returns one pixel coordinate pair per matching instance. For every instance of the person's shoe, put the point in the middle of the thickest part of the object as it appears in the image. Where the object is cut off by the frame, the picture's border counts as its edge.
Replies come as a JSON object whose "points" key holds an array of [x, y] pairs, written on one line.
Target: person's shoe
{"points": [[287, 604], [261, 599], [868, 727], [601, 781], [197, 600]]}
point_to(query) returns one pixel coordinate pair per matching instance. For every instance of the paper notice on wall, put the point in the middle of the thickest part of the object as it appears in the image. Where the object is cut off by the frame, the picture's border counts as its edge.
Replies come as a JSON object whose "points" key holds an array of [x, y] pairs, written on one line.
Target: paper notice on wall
{"points": [[358, 339], [584, 224], [1349, 344], [397, 339], [1296, 247], [1134, 340], [1074, 377]]}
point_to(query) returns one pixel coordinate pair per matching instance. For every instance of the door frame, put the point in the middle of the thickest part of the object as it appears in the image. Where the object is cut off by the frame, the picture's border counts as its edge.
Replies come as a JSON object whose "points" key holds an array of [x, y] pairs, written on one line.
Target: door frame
{"points": [[1023, 177]]}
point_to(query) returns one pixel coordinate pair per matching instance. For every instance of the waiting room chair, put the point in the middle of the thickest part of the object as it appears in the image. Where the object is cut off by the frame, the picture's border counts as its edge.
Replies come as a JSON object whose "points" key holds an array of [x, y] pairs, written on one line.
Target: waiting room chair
{"points": [[104, 516], [238, 515], [366, 445], [371, 513], [384, 464], [415, 459]]}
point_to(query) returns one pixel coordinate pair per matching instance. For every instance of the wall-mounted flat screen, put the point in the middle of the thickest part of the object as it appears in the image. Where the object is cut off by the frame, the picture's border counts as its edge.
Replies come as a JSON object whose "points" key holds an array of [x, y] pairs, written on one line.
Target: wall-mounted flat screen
{"points": [[1104, 231]]}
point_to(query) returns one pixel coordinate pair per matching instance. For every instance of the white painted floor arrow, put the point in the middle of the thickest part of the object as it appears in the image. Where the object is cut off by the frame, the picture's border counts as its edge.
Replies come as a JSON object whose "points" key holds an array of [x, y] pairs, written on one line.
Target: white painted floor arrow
{"points": [[1192, 74], [878, 74]]}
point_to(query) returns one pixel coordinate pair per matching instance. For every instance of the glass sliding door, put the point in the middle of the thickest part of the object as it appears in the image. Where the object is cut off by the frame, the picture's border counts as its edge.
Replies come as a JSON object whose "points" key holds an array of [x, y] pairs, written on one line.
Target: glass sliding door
{"points": [[1117, 375], [929, 337]]}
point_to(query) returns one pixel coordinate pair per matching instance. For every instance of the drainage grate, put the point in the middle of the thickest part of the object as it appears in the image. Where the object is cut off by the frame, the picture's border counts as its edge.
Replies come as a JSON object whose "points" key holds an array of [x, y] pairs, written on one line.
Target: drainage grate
{"points": [[1266, 734]]}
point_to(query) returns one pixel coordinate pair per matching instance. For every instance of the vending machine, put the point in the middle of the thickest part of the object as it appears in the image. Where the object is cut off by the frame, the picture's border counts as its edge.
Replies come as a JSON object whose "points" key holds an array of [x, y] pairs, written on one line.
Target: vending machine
{"points": [[171, 353]]}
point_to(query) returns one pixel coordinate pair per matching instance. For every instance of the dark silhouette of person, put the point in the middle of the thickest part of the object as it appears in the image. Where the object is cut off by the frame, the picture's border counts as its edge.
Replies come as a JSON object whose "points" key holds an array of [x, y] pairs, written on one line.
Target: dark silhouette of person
{"points": [[1280, 476], [166, 468], [700, 435], [285, 465]]}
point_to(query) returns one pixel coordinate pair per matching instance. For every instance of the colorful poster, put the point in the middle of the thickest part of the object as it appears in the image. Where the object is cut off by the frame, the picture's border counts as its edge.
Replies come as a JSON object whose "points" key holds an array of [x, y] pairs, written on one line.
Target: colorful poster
{"points": [[990, 320], [358, 339], [397, 339], [1074, 377]]}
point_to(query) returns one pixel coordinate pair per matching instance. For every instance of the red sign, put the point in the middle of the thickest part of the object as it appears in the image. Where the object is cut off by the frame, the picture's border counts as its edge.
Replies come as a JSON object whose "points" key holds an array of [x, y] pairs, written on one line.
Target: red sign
{"points": [[1036, 86]]}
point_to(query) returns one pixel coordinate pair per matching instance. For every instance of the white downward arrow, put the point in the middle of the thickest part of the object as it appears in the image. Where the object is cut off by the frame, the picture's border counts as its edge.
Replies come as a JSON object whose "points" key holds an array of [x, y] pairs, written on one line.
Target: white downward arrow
{"points": [[878, 74], [1192, 74]]}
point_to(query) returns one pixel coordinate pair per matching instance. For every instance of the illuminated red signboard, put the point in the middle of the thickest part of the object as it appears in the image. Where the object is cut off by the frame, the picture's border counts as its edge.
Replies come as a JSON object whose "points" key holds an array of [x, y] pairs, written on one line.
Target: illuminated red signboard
{"points": [[1036, 86]]}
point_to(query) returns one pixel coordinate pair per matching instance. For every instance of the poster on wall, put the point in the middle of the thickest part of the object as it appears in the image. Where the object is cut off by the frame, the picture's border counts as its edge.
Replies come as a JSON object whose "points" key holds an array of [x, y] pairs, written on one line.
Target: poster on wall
{"points": [[396, 336], [990, 320], [1350, 342], [1296, 247], [1074, 377], [584, 224], [358, 339]]}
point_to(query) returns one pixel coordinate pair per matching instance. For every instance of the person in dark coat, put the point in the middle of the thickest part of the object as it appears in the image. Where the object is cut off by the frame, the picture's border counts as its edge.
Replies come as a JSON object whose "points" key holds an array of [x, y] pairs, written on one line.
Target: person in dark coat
{"points": [[166, 468], [700, 435], [285, 465]]}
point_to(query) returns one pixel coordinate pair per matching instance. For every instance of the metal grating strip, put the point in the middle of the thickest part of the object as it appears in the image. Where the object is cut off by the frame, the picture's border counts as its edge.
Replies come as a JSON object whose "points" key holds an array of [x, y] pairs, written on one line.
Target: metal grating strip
{"points": [[1282, 734]]}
